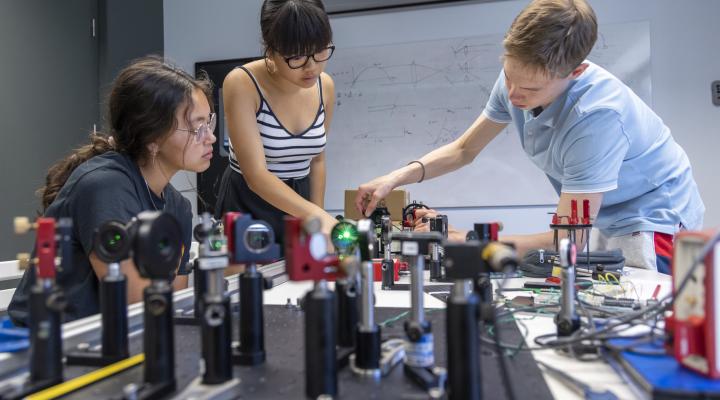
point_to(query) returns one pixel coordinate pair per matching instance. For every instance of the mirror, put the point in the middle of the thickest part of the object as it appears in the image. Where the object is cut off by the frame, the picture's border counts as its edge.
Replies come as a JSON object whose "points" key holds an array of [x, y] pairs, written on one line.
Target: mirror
{"points": [[318, 246], [258, 238]]}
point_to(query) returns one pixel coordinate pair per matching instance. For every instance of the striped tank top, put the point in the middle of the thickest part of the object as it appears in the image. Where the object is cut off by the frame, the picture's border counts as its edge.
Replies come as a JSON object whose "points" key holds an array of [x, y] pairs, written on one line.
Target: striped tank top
{"points": [[287, 155]]}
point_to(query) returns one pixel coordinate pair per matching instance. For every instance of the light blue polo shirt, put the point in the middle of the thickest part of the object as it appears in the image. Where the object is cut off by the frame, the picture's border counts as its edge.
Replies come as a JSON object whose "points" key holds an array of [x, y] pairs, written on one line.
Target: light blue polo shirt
{"points": [[599, 136]]}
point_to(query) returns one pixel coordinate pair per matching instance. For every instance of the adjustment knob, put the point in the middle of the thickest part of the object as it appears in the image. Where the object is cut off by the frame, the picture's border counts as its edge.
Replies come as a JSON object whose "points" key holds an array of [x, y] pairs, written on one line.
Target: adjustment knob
{"points": [[312, 225], [23, 260], [22, 225]]}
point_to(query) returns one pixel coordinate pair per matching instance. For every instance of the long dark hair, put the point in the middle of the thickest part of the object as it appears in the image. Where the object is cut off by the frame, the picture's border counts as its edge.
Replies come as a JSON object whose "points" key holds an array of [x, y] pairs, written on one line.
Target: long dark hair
{"points": [[141, 109], [294, 27]]}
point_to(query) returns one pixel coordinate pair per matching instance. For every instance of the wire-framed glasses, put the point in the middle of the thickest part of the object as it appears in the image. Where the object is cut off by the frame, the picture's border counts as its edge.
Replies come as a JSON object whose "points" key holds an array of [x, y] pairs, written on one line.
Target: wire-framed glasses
{"points": [[204, 130]]}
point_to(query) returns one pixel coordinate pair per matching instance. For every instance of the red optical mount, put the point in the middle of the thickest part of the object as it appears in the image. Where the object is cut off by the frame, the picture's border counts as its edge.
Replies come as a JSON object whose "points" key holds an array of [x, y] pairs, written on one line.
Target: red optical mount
{"points": [[299, 261], [586, 212], [45, 248], [228, 224], [45, 245]]}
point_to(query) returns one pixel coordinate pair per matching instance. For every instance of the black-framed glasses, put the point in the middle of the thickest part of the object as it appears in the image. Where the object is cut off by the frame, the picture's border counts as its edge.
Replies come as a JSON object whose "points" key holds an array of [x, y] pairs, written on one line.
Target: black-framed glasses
{"points": [[296, 62], [204, 130]]}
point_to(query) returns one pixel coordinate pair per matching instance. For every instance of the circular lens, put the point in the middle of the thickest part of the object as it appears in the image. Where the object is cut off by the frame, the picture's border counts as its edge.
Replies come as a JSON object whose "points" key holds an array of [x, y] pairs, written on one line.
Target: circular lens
{"points": [[112, 240], [258, 238], [157, 244], [164, 248], [344, 236]]}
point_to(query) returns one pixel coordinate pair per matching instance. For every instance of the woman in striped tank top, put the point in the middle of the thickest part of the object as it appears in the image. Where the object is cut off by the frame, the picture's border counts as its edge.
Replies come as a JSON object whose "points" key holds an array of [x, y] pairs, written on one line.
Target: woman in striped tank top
{"points": [[278, 110]]}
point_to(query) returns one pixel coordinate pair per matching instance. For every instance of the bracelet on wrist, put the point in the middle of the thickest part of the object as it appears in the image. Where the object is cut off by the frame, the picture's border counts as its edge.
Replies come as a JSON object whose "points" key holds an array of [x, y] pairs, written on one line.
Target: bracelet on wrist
{"points": [[422, 166]]}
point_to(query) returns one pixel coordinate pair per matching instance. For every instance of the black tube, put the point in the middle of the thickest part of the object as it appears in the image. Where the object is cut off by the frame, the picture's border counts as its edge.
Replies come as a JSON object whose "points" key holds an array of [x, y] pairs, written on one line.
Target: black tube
{"points": [[251, 350], [199, 288], [320, 351], [367, 353], [216, 334], [377, 251], [45, 337], [388, 274], [463, 348], [158, 335], [484, 289], [435, 270], [113, 309], [347, 313]]}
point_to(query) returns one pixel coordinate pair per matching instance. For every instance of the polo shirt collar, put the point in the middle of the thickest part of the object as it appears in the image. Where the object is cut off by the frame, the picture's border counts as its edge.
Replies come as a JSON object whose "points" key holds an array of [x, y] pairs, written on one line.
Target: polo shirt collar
{"points": [[550, 115]]}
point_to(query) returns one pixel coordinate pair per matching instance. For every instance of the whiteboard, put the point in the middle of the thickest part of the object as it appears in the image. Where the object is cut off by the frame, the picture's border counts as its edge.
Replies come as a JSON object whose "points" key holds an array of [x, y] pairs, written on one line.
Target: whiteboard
{"points": [[396, 102]]}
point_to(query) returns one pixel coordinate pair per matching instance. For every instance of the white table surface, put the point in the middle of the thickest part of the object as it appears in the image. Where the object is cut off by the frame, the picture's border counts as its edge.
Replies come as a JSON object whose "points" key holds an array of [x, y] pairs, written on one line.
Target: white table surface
{"points": [[598, 374], [595, 373]]}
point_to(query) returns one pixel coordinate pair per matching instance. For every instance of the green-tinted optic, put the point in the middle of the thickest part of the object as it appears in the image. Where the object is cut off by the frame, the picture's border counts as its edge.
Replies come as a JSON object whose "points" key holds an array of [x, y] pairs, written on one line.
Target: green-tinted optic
{"points": [[344, 236], [112, 241]]}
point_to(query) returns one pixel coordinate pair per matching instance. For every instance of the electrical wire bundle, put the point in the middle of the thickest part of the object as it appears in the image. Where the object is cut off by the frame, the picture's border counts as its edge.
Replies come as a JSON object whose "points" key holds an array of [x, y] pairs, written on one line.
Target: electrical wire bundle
{"points": [[594, 333]]}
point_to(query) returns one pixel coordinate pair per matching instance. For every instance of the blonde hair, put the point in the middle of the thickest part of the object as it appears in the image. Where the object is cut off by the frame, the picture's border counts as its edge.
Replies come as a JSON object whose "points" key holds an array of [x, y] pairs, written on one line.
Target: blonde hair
{"points": [[552, 36]]}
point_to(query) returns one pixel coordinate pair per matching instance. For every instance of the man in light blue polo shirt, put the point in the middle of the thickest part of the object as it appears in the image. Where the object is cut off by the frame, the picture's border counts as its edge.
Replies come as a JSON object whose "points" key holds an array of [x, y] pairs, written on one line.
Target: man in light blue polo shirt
{"points": [[592, 136], [599, 137]]}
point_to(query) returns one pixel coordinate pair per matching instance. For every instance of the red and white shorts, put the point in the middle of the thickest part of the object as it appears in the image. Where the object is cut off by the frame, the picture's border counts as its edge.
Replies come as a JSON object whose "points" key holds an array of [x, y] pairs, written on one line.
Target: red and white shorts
{"points": [[648, 250]]}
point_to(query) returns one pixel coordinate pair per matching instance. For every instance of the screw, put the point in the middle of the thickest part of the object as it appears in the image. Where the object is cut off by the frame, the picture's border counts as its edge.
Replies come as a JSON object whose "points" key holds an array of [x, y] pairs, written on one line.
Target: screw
{"points": [[24, 260], [22, 225]]}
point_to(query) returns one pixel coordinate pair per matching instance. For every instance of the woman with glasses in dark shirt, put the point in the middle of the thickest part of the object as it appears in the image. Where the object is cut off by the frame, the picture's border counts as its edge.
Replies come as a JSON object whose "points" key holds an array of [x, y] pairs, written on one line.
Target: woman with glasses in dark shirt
{"points": [[278, 111], [161, 122]]}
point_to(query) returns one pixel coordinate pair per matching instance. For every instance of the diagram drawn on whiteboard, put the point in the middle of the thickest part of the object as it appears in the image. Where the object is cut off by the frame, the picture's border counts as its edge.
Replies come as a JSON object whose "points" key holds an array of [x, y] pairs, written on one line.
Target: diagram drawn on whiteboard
{"points": [[396, 102]]}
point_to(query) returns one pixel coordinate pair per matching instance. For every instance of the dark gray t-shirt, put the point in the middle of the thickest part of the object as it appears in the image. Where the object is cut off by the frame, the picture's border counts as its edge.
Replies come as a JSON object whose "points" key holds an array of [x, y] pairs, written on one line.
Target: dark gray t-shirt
{"points": [[106, 187]]}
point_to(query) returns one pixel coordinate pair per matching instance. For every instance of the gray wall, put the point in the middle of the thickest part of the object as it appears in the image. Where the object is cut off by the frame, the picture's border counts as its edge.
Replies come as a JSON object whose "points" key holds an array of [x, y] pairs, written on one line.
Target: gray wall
{"points": [[48, 77], [128, 29], [54, 76], [683, 66]]}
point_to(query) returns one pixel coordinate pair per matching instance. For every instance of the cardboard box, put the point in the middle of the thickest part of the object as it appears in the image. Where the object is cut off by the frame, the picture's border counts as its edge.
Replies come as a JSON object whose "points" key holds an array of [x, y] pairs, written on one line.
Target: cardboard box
{"points": [[395, 202]]}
